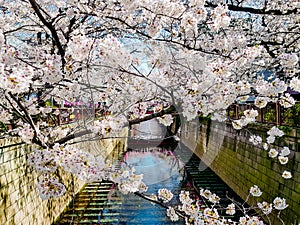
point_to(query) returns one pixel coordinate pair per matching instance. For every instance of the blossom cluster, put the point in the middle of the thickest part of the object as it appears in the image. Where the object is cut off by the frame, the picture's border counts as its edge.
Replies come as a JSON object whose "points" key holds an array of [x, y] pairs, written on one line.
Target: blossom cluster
{"points": [[166, 120], [288, 59], [295, 84], [51, 73], [265, 207], [282, 154], [26, 133], [5, 116], [108, 126], [138, 109], [273, 152], [221, 19], [128, 182], [1, 39], [84, 165], [165, 195], [270, 89], [171, 213], [49, 186], [249, 117], [112, 53], [196, 213], [16, 80], [79, 48]]}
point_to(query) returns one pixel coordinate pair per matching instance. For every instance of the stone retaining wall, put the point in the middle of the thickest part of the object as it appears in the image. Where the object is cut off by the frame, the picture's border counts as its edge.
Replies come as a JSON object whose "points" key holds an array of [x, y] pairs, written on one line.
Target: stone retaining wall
{"points": [[20, 203], [241, 164]]}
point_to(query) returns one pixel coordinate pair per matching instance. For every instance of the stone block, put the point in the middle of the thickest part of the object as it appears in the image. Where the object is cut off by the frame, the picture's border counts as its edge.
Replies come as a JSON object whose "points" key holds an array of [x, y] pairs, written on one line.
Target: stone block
{"points": [[25, 221], [4, 167], [11, 210], [298, 133], [19, 216]]}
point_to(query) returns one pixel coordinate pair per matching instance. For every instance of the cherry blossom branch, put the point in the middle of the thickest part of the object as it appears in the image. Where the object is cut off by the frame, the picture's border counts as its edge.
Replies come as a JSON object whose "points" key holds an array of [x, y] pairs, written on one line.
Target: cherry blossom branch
{"points": [[20, 28], [72, 136], [29, 119], [158, 203], [16, 110], [168, 40]]}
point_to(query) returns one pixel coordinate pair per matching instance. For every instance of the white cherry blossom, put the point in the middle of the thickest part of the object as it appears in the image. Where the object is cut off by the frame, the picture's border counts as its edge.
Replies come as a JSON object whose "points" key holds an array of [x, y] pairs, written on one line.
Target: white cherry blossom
{"points": [[205, 193], [261, 102], [230, 210], [295, 84], [285, 151], [265, 207], [255, 139], [166, 120], [283, 160], [287, 100], [255, 191], [251, 114], [287, 175], [172, 214], [274, 131], [273, 153], [289, 60], [26, 134], [165, 195], [279, 203], [270, 139]]}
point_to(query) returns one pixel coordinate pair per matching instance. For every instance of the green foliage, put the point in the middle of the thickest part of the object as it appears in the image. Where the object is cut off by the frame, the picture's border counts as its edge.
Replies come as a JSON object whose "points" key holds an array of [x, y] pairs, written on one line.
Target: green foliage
{"points": [[269, 115], [3, 127], [285, 129], [291, 116], [205, 118]]}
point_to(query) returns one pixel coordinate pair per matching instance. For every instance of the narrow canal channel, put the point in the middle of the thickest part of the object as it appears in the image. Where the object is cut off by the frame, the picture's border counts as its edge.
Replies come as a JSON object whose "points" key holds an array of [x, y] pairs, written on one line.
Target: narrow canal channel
{"points": [[101, 203]]}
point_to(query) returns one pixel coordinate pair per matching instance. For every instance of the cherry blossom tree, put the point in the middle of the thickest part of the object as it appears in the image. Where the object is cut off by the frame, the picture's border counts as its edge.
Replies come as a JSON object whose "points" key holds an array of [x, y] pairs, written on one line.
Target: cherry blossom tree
{"points": [[190, 58]]}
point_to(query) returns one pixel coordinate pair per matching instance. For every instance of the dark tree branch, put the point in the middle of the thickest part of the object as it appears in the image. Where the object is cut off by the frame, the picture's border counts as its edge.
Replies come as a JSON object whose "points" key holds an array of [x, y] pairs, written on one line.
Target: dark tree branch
{"points": [[72, 136], [51, 28], [35, 139], [256, 11], [169, 110]]}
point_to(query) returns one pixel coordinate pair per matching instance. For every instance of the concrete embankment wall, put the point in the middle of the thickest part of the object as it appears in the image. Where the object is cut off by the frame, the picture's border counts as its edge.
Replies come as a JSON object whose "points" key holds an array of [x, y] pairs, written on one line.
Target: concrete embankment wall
{"points": [[20, 203], [241, 165]]}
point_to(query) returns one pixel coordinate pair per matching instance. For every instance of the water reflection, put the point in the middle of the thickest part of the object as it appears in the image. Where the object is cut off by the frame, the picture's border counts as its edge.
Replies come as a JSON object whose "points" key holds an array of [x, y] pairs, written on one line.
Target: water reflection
{"points": [[157, 165], [148, 130], [161, 169]]}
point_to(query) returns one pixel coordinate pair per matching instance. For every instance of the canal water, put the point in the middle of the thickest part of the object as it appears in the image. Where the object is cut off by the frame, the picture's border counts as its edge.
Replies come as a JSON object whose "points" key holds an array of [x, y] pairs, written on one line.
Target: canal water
{"points": [[160, 169], [101, 203]]}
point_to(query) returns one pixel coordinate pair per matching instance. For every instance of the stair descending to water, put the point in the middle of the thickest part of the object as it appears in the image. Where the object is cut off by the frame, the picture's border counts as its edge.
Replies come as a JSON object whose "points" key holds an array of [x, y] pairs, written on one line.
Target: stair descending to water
{"points": [[91, 206], [202, 177], [97, 203]]}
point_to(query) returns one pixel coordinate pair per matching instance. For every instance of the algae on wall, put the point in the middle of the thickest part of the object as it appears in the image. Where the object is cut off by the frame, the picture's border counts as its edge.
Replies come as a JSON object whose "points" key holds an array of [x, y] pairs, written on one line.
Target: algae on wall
{"points": [[241, 165]]}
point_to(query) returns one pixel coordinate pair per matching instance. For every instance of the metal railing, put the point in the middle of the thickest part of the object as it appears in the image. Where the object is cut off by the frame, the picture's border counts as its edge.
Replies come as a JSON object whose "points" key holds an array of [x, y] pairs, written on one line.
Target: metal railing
{"points": [[273, 113]]}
